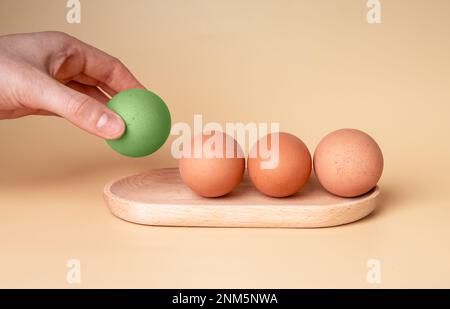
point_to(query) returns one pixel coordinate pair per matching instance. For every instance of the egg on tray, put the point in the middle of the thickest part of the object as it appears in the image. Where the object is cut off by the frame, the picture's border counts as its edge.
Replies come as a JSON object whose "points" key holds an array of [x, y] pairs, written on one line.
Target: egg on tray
{"points": [[212, 164], [348, 162], [279, 164]]}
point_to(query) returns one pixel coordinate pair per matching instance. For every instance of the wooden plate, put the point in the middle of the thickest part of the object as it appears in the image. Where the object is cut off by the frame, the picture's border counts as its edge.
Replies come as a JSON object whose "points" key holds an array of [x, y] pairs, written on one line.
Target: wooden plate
{"points": [[159, 197]]}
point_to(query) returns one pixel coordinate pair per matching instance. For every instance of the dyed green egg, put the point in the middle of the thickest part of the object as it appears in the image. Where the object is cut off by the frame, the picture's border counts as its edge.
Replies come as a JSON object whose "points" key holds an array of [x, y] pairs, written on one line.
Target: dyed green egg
{"points": [[147, 121]]}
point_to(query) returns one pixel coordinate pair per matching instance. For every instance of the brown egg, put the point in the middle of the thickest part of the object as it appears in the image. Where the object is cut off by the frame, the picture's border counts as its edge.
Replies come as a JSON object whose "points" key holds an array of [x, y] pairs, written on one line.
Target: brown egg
{"points": [[289, 175], [348, 162], [215, 168]]}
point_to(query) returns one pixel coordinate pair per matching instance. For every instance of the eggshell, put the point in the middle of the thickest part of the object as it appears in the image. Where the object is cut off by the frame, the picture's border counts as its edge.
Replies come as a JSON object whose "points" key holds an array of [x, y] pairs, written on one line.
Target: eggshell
{"points": [[348, 162], [147, 121], [292, 171], [212, 174]]}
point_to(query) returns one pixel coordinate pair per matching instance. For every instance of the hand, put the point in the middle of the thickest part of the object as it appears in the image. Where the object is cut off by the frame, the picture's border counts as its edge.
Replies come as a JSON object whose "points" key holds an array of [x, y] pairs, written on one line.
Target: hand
{"points": [[52, 73]]}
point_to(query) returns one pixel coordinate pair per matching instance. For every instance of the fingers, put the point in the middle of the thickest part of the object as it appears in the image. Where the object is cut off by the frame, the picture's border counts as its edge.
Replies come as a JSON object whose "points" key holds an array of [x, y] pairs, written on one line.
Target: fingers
{"points": [[106, 69], [17, 113], [79, 108], [91, 91], [87, 80]]}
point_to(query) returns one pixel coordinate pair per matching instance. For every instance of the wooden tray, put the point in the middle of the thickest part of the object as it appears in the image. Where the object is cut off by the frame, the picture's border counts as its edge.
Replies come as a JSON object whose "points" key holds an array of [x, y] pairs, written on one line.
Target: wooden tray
{"points": [[159, 197]]}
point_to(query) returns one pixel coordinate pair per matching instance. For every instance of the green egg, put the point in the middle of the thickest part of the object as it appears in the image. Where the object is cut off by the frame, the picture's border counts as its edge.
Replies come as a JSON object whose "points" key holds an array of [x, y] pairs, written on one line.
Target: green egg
{"points": [[147, 121]]}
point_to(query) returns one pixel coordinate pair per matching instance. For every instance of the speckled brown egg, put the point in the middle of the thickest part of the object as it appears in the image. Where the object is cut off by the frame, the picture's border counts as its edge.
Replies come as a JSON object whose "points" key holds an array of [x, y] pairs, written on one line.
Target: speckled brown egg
{"points": [[289, 175], [215, 168], [348, 162]]}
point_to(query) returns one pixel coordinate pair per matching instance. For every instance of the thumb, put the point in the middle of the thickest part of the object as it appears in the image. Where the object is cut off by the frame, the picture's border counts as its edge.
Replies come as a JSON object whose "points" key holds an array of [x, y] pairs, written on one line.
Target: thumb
{"points": [[83, 111]]}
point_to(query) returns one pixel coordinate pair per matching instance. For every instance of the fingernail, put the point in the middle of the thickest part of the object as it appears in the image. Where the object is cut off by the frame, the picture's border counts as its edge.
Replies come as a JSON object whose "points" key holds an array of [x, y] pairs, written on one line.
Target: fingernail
{"points": [[110, 125]]}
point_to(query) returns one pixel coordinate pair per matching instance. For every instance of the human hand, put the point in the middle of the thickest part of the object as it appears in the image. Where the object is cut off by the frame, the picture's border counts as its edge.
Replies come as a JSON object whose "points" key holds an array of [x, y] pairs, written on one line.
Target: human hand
{"points": [[52, 73]]}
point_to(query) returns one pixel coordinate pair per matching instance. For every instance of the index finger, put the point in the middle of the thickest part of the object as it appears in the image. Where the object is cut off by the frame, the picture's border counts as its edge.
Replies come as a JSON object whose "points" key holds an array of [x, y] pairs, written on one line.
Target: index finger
{"points": [[107, 69]]}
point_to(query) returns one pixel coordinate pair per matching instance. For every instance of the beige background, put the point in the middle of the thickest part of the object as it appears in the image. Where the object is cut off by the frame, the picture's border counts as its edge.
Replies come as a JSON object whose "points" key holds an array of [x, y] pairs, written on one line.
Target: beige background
{"points": [[314, 66]]}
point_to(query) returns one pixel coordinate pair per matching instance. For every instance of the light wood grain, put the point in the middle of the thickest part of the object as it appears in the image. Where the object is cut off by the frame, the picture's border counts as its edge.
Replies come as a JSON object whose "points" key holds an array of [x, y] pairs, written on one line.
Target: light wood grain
{"points": [[159, 197]]}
